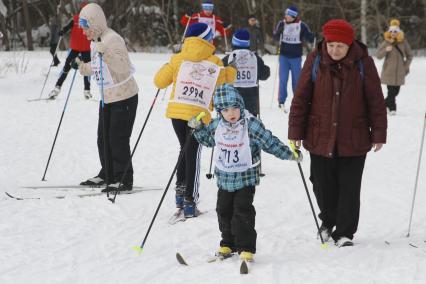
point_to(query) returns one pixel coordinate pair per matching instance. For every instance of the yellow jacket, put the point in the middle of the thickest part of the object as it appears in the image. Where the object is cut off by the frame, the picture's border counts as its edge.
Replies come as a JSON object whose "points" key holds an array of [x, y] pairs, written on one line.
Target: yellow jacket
{"points": [[194, 49]]}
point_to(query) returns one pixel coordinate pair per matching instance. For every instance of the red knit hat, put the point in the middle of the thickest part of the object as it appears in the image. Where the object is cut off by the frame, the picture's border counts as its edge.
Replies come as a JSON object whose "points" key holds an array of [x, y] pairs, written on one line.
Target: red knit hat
{"points": [[338, 30]]}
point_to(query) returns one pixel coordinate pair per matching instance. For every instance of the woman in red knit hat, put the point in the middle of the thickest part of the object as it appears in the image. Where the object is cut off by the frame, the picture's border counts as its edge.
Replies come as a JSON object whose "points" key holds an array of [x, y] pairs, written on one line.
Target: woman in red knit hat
{"points": [[339, 113]]}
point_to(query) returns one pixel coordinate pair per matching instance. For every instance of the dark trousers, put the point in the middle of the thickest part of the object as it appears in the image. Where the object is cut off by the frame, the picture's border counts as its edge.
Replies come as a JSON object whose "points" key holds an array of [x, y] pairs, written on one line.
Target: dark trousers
{"points": [[390, 100], [52, 51], [236, 216], [85, 57], [119, 118], [188, 171], [251, 99], [337, 188]]}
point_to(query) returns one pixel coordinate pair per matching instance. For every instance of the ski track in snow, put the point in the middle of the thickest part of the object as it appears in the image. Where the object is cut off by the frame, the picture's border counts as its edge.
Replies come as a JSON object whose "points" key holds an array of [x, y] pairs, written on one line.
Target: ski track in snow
{"points": [[90, 240]]}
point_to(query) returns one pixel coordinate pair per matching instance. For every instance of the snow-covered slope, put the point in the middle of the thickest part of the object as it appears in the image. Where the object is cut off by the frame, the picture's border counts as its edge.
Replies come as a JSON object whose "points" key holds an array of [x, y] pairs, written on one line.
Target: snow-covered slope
{"points": [[90, 240]]}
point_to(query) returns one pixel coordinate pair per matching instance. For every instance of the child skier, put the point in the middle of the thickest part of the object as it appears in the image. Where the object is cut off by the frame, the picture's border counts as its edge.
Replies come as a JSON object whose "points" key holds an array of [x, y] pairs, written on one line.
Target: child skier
{"points": [[194, 72], [238, 138], [250, 69]]}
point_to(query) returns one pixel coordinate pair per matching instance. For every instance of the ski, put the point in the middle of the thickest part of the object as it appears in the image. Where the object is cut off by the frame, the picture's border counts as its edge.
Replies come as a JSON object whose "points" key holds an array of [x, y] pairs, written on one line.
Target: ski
{"points": [[244, 267], [180, 259], [81, 195], [39, 99], [220, 257], [68, 186], [178, 216]]}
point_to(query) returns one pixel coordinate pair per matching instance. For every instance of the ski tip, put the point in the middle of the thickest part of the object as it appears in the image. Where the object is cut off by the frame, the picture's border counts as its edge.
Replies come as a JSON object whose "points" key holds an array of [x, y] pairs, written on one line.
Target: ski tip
{"points": [[243, 267], [180, 259], [324, 246], [138, 249]]}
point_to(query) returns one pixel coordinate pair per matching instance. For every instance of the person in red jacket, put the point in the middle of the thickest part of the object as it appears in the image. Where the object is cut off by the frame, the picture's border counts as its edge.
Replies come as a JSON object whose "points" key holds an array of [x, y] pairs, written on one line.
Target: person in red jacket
{"points": [[79, 46], [206, 16], [339, 113]]}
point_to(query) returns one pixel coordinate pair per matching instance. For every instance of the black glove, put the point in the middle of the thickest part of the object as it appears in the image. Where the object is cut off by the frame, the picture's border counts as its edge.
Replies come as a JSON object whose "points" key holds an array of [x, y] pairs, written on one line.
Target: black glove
{"points": [[189, 11], [226, 25], [233, 62], [61, 33], [74, 64]]}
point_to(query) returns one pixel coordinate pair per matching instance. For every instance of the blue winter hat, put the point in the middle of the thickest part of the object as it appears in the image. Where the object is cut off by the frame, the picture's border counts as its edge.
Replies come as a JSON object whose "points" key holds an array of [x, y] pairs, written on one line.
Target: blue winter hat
{"points": [[200, 30], [292, 11], [226, 96], [207, 5], [241, 38]]}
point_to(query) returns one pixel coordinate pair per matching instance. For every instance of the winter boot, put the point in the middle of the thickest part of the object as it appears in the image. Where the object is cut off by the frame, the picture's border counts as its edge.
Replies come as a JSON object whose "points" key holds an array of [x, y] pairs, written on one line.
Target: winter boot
{"points": [[246, 255], [87, 94], [325, 232], [344, 242], [224, 252], [180, 191], [189, 208], [54, 93], [94, 182]]}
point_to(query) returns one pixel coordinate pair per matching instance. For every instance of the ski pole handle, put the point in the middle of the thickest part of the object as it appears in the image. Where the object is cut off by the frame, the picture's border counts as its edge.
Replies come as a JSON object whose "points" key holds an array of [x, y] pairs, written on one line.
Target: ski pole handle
{"points": [[293, 149], [200, 115]]}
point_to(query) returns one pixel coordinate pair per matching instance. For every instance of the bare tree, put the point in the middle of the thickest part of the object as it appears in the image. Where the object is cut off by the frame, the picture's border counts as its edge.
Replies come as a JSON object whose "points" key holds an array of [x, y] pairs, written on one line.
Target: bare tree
{"points": [[27, 24]]}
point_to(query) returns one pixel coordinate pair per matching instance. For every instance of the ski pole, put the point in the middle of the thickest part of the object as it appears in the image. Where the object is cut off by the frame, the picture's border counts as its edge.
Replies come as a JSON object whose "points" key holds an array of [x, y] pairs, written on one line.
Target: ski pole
{"points": [[293, 149], [104, 126], [164, 93], [50, 67], [183, 36], [209, 175], [226, 38], [276, 70], [59, 126], [417, 176], [134, 148], [139, 249]]}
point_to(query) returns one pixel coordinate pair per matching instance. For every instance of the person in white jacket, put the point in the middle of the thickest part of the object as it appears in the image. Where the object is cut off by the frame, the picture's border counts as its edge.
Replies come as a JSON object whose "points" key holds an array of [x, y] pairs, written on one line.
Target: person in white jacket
{"points": [[120, 98]]}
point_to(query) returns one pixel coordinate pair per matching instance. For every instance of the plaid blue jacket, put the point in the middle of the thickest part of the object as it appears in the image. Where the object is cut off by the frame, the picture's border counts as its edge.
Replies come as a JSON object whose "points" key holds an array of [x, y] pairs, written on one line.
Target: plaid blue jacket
{"points": [[260, 139]]}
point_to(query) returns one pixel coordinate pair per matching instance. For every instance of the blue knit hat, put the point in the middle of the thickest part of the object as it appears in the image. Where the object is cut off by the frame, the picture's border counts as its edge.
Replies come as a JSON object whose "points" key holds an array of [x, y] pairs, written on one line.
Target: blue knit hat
{"points": [[292, 11], [200, 30], [207, 5], [241, 38]]}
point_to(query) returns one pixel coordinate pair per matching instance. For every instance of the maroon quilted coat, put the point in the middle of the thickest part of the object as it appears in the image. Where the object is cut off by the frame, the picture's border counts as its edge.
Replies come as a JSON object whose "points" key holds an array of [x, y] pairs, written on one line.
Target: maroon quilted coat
{"points": [[343, 112]]}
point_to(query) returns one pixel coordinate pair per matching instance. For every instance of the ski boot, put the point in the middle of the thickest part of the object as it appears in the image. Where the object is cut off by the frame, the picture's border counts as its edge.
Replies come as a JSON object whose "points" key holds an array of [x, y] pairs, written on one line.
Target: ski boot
{"points": [[344, 242], [87, 94], [246, 256], [180, 190], [189, 208], [94, 182], [54, 93], [325, 233], [118, 187]]}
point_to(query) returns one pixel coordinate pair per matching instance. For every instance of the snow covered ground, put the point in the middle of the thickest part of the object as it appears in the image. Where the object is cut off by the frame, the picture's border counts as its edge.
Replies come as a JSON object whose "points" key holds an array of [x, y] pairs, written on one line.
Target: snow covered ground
{"points": [[90, 240]]}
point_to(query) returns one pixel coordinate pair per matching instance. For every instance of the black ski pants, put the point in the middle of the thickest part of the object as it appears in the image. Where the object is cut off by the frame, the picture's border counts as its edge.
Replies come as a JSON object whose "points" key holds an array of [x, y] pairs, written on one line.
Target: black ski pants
{"points": [[236, 216], [337, 188], [85, 57], [188, 171], [390, 100], [119, 119]]}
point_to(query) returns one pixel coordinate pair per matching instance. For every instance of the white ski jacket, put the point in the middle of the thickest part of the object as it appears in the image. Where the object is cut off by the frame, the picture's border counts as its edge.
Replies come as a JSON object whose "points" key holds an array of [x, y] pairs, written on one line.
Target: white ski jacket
{"points": [[115, 56]]}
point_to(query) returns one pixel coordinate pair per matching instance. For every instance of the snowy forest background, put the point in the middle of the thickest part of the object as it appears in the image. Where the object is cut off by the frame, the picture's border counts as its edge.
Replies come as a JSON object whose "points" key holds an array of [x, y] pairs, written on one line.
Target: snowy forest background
{"points": [[148, 25]]}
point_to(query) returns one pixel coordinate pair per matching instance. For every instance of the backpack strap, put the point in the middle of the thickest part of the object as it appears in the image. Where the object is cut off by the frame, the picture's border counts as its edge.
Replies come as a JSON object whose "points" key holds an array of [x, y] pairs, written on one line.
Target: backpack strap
{"points": [[361, 69]]}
